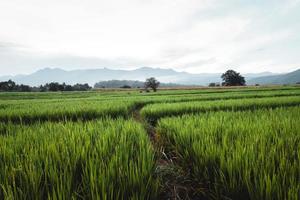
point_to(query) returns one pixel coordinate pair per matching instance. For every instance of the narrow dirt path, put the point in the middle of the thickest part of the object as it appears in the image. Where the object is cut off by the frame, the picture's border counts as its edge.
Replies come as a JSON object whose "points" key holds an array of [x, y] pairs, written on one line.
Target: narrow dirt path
{"points": [[176, 183], [136, 115]]}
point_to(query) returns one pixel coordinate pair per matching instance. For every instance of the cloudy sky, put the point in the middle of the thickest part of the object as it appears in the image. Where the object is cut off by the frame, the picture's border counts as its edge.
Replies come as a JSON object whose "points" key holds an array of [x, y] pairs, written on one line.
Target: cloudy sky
{"points": [[186, 35]]}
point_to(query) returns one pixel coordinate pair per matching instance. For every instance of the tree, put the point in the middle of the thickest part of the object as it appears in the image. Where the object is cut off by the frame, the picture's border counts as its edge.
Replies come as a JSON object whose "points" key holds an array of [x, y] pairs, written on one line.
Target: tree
{"points": [[232, 78], [7, 86], [212, 85], [54, 86], [81, 87], [11, 86], [126, 86], [152, 83], [68, 88], [24, 88]]}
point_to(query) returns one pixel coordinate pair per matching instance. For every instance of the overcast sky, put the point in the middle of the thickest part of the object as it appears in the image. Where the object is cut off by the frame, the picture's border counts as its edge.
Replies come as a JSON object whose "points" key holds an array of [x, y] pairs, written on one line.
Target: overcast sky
{"points": [[186, 35]]}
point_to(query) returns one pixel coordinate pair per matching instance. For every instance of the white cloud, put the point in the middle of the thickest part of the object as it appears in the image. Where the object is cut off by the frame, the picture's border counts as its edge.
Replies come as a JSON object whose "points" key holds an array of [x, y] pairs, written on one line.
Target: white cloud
{"points": [[191, 35]]}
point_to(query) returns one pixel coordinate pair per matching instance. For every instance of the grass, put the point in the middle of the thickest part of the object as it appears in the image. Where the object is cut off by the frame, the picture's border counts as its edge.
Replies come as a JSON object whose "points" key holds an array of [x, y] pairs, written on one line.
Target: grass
{"points": [[239, 155], [100, 144], [155, 111], [106, 159], [116, 105], [64, 110]]}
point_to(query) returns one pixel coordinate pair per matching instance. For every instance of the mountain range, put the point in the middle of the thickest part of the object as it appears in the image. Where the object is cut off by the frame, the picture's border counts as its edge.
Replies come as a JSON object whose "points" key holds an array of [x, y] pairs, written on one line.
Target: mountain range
{"points": [[288, 78], [92, 76]]}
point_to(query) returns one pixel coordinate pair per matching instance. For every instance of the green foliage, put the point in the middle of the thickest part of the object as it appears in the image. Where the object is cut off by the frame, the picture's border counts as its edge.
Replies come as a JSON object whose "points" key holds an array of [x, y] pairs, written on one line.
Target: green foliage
{"points": [[233, 78], [152, 83], [54, 87], [106, 159], [11, 86], [155, 111], [32, 111], [240, 155], [92, 105], [104, 154]]}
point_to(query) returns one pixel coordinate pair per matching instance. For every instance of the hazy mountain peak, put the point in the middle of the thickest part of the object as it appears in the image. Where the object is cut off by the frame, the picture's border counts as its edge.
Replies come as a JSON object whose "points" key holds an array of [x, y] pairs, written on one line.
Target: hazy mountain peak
{"points": [[288, 78], [92, 76], [49, 69]]}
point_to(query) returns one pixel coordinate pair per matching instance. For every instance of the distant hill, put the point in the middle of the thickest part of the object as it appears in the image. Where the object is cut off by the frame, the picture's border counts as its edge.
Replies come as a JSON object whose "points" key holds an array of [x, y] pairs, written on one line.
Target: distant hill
{"points": [[130, 83], [289, 78], [92, 76]]}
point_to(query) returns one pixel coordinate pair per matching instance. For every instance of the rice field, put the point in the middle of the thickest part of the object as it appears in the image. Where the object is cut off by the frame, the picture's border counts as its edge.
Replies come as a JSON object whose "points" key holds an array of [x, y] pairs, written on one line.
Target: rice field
{"points": [[66, 161], [61, 110], [239, 155], [222, 143], [156, 111]]}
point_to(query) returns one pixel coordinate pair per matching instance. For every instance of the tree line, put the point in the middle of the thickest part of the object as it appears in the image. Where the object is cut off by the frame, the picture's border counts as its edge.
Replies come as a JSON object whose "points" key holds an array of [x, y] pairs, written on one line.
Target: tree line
{"points": [[11, 86], [129, 84], [230, 78]]}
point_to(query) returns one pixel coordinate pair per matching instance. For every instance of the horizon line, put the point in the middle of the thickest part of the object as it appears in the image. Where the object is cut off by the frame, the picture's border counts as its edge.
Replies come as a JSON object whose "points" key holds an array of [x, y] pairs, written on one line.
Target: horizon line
{"points": [[132, 69]]}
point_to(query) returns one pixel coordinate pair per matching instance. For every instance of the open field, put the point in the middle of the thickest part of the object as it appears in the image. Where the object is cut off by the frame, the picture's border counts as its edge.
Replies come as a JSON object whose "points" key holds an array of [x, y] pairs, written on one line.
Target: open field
{"points": [[243, 154], [222, 143]]}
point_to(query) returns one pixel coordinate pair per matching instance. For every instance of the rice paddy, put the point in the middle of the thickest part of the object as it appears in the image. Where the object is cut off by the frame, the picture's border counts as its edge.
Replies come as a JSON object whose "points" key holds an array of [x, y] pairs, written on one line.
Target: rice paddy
{"points": [[228, 143], [239, 155]]}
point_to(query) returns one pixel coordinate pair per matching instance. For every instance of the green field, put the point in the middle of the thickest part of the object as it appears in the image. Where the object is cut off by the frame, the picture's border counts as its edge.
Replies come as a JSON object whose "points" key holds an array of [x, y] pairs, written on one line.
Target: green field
{"points": [[223, 143]]}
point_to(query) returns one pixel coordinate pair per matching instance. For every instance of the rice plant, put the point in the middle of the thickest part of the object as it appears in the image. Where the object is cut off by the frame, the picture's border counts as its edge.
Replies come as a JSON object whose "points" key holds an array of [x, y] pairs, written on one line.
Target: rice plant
{"points": [[153, 112], [51, 147], [106, 159], [28, 112], [239, 155]]}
